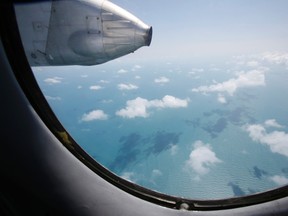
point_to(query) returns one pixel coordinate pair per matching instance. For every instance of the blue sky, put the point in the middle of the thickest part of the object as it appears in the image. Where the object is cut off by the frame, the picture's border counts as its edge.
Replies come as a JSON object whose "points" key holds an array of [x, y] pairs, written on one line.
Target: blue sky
{"points": [[197, 28]]}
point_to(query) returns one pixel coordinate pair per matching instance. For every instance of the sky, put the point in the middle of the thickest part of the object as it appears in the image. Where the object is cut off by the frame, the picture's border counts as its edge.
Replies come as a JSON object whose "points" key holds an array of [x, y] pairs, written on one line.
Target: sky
{"points": [[201, 28]]}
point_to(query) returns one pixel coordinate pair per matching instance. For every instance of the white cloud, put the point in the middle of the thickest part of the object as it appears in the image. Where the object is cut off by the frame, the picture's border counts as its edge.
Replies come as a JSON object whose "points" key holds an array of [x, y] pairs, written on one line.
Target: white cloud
{"points": [[129, 176], [253, 63], [95, 87], [52, 98], [174, 149], [214, 68], [137, 77], [249, 79], [258, 60], [139, 106], [79, 87], [266, 58], [104, 81], [123, 86], [155, 174], [94, 115], [84, 76], [244, 152], [54, 80], [136, 67], [168, 101], [134, 108], [272, 123], [121, 71], [161, 80], [275, 57], [279, 180], [197, 70], [202, 158], [276, 140], [221, 99]]}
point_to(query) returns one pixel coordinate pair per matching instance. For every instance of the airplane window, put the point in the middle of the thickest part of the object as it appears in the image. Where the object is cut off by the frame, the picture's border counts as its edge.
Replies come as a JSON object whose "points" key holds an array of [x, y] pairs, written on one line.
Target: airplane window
{"points": [[201, 113]]}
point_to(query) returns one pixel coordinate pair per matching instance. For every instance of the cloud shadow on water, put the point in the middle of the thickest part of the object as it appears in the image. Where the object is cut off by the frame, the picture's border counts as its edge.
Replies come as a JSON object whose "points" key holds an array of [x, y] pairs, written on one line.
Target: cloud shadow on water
{"points": [[194, 123], [236, 189], [216, 128], [285, 170], [218, 112], [162, 141], [237, 116], [259, 173], [129, 142], [123, 160], [134, 146], [129, 152]]}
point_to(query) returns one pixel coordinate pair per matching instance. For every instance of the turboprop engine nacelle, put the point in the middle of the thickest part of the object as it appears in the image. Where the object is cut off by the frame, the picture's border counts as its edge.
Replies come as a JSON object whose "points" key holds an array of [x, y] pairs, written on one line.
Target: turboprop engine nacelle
{"points": [[78, 32]]}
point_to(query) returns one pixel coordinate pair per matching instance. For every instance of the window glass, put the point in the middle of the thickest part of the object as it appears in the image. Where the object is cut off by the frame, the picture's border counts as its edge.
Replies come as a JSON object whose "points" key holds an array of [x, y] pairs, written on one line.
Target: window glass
{"points": [[201, 113]]}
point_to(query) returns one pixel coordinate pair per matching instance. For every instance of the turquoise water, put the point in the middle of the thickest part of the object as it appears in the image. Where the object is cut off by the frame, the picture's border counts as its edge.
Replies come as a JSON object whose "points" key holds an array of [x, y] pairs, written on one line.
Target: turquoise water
{"points": [[203, 146]]}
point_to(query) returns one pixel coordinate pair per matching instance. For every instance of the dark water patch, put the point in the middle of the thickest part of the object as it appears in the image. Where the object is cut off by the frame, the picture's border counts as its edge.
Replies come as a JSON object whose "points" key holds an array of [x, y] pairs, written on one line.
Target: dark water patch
{"points": [[129, 152], [285, 170], [236, 189], [162, 141], [207, 114], [194, 123], [240, 116], [129, 142], [134, 146], [216, 128], [218, 112], [259, 173], [220, 125], [235, 116], [123, 160]]}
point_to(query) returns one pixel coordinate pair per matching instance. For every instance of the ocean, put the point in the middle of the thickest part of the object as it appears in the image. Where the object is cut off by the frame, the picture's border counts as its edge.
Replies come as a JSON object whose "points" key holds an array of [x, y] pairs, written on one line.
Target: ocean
{"points": [[200, 130]]}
